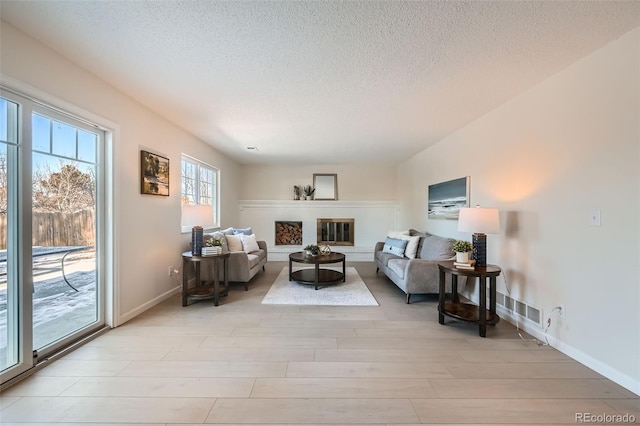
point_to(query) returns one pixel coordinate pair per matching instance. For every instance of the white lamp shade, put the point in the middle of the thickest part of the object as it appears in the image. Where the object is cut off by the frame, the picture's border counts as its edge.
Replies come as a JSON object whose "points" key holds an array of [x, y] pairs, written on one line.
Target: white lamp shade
{"points": [[479, 220], [197, 215]]}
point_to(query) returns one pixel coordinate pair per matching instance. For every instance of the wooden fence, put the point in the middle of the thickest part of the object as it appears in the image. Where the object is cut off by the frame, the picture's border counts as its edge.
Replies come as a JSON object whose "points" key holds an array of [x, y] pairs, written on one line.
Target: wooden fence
{"points": [[58, 229]]}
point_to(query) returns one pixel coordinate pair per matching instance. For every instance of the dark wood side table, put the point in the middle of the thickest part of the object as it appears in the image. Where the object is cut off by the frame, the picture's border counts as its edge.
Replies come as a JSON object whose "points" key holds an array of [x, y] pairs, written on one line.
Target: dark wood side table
{"points": [[191, 267], [468, 311]]}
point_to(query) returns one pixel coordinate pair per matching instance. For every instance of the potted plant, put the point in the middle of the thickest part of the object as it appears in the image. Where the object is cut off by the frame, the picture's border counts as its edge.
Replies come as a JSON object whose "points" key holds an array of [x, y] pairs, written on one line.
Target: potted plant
{"points": [[311, 250], [462, 250], [308, 191], [212, 246], [296, 192]]}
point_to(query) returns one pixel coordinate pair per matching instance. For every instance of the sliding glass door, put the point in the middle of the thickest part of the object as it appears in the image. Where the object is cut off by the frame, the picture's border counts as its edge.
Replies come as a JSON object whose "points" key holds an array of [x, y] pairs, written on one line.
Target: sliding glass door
{"points": [[51, 293], [10, 320]]}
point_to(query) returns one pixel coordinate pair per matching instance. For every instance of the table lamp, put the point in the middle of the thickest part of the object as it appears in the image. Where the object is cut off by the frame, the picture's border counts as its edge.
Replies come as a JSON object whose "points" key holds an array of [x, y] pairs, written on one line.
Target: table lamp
{"points": [[480, 221], [196, 216]]}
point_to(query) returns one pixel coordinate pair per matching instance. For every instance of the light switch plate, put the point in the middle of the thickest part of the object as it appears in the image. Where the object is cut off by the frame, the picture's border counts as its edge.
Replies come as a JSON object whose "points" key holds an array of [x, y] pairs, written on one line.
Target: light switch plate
{"points": [[594, 218]]}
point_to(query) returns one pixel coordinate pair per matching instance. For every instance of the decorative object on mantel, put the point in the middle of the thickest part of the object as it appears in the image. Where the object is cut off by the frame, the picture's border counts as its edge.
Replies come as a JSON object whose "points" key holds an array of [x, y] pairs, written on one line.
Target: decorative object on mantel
{"points": [[325, 250], [447, 198], [311, 250], [196, 216], [480, 221], [308, 192], [296, 192], [462, 250], [326, 185]]}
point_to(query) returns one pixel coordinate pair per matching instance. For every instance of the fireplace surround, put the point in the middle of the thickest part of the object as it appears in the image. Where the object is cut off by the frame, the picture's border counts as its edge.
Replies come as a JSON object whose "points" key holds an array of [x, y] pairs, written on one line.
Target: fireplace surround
{"points": [[336, 232]]}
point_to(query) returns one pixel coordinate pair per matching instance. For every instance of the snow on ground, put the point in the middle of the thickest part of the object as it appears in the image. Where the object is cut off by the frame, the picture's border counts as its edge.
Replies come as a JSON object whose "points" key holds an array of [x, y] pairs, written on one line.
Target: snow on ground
{"points": [[58, 310]]}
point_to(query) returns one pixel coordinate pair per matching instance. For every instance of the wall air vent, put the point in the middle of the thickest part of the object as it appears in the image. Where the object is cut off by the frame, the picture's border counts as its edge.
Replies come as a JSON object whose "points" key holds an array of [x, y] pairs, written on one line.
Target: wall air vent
{"points": [[521, 309]]}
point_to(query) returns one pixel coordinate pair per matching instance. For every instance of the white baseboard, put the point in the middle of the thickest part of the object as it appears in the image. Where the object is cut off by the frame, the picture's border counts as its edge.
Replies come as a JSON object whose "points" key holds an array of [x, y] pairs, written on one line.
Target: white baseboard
{"points": [[599, 367], [150, 304]]}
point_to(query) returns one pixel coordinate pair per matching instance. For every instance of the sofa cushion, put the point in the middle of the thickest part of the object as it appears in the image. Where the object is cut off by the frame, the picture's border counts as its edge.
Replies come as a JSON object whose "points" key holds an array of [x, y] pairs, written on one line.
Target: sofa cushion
{"points": [[397, 234], [414, 232], [249, 243], [245, 231], [383, 258], [398, 266], [394, 246], [436, 248], [234, 242], [228, 231], [411, 251]]}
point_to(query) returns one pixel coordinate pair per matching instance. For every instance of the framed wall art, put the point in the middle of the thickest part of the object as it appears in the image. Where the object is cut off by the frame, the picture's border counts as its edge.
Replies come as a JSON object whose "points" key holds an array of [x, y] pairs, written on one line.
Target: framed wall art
{"points": [[446, 198], [326, 185], [154, 174]]}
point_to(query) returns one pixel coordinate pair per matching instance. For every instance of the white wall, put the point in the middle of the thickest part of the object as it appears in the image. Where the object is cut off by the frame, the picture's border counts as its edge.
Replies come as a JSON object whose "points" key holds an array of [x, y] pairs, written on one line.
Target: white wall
{"points": [[356, 182], [147, 228], [547, 159], [366, 193]]}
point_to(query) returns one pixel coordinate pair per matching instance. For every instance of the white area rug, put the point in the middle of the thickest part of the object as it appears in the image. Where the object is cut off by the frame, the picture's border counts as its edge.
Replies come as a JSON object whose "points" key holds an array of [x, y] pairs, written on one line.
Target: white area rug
{"points": [[353, 292]]}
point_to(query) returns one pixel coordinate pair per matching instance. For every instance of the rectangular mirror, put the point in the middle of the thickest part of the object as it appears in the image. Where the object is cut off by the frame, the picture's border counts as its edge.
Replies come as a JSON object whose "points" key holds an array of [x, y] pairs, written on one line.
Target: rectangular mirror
{"points": [[326, 186]]}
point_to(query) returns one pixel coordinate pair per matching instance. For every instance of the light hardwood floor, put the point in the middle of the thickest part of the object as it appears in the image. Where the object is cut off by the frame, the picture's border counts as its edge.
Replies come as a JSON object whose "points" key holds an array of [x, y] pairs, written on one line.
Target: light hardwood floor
{"points": [[247, 363]]}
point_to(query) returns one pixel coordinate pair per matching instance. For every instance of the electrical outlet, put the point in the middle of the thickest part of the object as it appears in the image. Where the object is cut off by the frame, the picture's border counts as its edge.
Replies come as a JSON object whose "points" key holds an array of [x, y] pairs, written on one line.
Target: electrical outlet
{"points": [[562, 311], [171, 271]]}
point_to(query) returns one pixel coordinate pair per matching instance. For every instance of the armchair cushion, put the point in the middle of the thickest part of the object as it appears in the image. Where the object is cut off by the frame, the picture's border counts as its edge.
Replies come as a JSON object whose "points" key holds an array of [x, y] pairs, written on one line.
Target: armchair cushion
{"points": [[245, 231], [234, 242], [249, 243]]}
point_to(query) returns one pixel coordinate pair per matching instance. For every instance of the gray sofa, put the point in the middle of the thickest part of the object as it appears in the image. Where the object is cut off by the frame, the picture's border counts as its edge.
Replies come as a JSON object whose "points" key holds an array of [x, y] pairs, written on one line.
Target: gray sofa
{"points": [[421, 274], [242, 266]]}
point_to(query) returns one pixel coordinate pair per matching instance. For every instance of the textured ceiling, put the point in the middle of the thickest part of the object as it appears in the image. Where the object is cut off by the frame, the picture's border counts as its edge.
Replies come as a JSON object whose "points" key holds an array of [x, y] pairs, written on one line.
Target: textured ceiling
{"points": [[318, 82]]}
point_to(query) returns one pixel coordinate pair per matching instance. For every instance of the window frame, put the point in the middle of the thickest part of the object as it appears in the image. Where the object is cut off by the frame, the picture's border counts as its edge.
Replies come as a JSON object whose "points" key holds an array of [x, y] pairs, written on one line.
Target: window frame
{"points": [[214, 189]]}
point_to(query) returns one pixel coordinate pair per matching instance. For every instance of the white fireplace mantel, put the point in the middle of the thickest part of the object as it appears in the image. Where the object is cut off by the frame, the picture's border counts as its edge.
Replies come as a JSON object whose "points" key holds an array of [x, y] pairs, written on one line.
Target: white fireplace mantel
{"points": [[373, 219]]}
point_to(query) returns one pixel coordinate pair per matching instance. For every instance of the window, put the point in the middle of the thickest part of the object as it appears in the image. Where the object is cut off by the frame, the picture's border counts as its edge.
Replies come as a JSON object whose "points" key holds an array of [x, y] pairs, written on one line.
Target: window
{"points": [[200, 186]]}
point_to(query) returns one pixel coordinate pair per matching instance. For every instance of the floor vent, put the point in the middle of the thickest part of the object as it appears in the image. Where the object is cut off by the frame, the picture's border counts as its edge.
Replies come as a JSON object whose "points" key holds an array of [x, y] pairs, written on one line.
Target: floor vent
{"points": [[519, 308]]}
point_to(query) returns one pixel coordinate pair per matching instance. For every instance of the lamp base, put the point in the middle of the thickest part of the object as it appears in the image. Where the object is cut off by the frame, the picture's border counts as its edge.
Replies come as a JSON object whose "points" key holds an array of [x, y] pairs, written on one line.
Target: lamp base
{"points": [[480, 249], [197, 237]]}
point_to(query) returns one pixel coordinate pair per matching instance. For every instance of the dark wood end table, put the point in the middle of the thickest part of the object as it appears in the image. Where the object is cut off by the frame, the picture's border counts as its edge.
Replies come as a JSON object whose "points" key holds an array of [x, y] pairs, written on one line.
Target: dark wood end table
{"points": [[317, 276], [203, 291], [468, 311]]}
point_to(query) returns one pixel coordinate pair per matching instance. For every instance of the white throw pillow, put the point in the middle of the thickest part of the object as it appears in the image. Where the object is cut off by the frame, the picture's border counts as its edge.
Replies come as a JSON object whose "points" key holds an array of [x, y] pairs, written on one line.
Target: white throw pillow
{"points": [[397, 235], [249, 243], [234, 242], [411, 251]]}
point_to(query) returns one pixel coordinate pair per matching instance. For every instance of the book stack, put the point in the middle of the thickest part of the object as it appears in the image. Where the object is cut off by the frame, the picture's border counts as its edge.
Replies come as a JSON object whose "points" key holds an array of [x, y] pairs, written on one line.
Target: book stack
{"points": [[470, 265], [211, 251]]}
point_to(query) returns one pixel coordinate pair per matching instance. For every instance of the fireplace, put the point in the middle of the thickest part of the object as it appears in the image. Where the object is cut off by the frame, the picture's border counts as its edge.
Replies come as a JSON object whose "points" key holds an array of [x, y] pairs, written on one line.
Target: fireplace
{"points": [[336, 232], [288, 233]]}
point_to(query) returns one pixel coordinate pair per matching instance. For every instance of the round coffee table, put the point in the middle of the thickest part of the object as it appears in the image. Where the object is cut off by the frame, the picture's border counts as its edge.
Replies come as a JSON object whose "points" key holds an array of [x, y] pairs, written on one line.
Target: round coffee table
{"points": [[317, 276]]}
